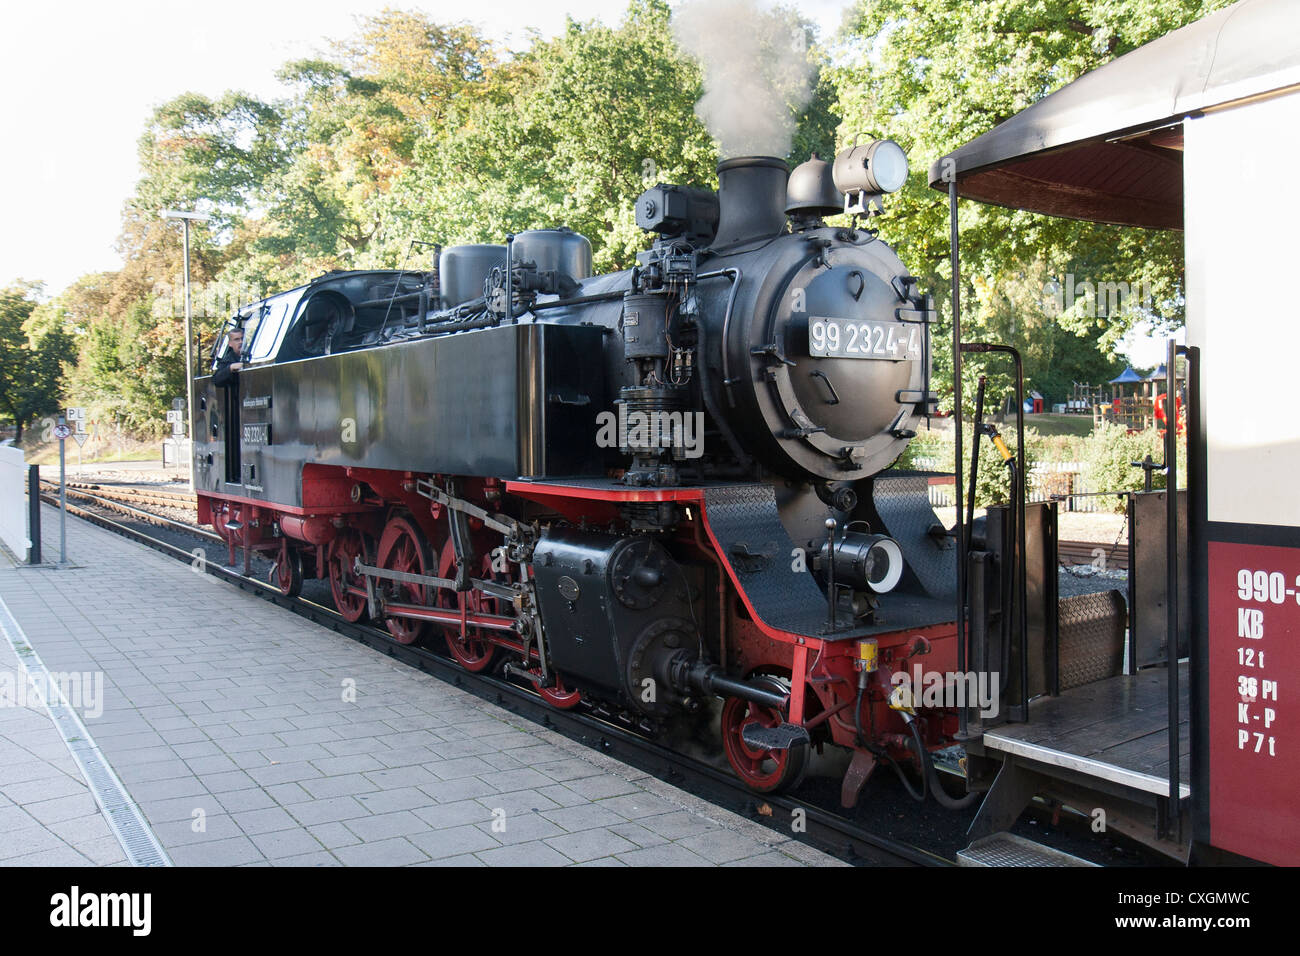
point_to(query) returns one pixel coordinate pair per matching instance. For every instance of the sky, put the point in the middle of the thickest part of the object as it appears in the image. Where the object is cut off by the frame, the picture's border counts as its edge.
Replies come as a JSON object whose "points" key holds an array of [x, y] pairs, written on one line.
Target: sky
{"points": [[80, 79]]}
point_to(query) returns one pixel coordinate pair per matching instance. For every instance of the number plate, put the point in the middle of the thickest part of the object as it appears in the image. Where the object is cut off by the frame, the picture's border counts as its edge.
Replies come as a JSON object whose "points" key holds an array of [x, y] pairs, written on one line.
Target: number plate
{"points": [[853, 338], [257, 434]]}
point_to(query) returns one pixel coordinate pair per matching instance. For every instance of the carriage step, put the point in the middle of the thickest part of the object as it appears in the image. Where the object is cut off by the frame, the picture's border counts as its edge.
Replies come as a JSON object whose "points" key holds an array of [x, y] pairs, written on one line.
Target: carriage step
{"points": [[780, 737], [1007, 849]]}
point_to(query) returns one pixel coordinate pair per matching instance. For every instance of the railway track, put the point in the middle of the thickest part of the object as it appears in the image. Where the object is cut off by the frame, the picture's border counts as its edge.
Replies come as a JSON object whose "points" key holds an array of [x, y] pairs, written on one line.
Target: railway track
{"points": [[134, 495], [116, 500], [823, 829], [1112, 556]]}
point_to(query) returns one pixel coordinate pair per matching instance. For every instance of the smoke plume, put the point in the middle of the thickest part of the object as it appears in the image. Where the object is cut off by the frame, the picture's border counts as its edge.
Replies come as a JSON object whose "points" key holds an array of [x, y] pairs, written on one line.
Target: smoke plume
{"points": [[757, 76]]}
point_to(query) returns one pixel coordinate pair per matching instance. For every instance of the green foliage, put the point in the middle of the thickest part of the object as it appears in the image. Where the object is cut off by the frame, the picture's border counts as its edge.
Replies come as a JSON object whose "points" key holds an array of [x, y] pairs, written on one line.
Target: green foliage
{"points": [[1108, 454], [934, 450], [937, 75], [31, 359], [593, 118], [129, 372]]}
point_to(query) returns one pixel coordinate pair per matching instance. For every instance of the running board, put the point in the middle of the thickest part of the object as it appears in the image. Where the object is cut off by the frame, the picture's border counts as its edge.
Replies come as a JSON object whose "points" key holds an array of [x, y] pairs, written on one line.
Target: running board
{"points": [[1007, 849]]}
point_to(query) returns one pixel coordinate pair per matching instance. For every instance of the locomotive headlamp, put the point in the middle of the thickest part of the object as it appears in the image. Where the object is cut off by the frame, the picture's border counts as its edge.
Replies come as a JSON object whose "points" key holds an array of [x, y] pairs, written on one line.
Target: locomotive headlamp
{"points": [[867, 561], [879, 166]]}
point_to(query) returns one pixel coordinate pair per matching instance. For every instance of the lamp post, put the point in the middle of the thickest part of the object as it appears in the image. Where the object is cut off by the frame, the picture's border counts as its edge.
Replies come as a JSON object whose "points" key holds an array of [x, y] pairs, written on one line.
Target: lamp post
{"points": [[186, 218]]}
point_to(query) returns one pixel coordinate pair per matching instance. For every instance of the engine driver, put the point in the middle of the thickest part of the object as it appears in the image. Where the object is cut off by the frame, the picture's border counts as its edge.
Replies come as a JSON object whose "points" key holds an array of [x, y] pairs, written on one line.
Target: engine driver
{"points": [[229, 364]]}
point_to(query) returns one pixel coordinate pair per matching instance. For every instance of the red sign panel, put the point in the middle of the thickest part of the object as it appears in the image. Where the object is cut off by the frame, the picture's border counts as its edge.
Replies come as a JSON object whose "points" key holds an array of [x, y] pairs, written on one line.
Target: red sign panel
{"points": [[1254, 674]]}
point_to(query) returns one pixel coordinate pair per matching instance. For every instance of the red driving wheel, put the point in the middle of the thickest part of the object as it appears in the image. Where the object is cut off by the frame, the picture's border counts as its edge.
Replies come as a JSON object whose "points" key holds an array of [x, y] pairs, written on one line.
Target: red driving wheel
{"points": [[346, 547], [473, 651], [764, 771], [403, 548], [287, 571], [559, 695]]}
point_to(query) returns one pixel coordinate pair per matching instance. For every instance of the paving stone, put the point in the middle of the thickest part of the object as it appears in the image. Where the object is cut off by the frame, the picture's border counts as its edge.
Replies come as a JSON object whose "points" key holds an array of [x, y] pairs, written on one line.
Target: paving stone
{"points": [[283, 843], [637, 806], [394, 852], [522, 828], [519, 801], [333, 835], [59, 855], [667, 854], [241, 801], [678, 824], [584, 817], [232, 852], [52, 787], [399, 798], [332, 810], [638, 834], [590, 845], [722, 846], [532, 853], [30, 839], [465, 860], [601, 787], [267, 820], [320, 858], [770, 858], [384, 825], [454, 814], [453, 841]]}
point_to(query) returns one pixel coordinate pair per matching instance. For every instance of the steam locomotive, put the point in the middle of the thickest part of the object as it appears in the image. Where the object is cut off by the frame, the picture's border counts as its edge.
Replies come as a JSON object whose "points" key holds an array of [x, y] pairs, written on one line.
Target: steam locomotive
{"points": [[661, 493]]}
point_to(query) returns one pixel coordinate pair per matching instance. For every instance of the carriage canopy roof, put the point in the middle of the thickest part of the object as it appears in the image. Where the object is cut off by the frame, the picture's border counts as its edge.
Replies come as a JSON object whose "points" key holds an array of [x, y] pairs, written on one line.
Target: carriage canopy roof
{"points": [[1108, 147]]}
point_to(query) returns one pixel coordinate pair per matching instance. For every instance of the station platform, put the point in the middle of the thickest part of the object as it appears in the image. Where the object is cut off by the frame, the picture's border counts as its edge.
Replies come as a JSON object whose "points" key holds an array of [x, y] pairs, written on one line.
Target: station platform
{"points": [[190, 723]]}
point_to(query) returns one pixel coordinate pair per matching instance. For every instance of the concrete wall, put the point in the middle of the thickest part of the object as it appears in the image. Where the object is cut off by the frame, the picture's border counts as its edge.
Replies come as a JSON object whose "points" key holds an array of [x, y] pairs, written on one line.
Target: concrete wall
{"points": [[13, 501]]}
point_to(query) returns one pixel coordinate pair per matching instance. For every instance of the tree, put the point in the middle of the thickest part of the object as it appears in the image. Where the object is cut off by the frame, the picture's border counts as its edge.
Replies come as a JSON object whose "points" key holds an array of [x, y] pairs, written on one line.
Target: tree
{"points": [[31, 367], [933, 77], [570, 132]]}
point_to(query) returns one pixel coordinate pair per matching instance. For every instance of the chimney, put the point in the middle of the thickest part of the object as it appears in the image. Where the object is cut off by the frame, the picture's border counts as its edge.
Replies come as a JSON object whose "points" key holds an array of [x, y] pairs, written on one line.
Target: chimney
{"points": [[751, 199]]}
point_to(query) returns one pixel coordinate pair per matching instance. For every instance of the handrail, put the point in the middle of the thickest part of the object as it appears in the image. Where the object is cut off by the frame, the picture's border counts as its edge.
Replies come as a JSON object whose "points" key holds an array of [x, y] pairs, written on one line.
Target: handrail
{"points": [[1020, 543], [1171, 562]]}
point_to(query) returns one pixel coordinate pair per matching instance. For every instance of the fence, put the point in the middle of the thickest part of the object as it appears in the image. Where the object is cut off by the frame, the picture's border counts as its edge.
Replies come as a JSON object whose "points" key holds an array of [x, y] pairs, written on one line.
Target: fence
{"points": [[13, 501], [1062, 480]]}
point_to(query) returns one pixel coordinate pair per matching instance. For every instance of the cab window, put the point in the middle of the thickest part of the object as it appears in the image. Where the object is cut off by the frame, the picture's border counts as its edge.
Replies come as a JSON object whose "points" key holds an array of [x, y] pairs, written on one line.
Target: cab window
{"points": [[273, 322]]}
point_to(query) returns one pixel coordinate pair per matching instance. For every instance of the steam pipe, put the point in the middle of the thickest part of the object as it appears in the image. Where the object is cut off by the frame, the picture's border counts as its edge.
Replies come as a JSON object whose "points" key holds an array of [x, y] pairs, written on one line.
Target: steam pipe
{"points": [[727, 434]]}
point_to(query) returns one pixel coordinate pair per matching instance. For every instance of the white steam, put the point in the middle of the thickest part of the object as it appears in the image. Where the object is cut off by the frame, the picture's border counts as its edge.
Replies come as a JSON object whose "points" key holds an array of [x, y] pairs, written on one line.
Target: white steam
{"points": [[757, 76]]}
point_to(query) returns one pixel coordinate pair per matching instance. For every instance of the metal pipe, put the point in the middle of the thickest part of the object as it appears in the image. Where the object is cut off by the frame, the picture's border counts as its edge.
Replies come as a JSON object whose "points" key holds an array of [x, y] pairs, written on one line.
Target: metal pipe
{"points": [[1018, 507], [510, 276], [63, 499], [975, 450], [189, 357], [830, 575], [703, 365], [1171, 569], [735, 275], [709, 679], [955, 254], [34, 513]]}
